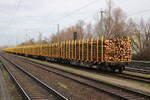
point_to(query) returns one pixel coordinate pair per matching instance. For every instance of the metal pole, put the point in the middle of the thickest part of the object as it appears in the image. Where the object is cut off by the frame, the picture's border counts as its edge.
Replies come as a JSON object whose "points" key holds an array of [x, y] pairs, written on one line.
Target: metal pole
{"points": [[101, 23], [58, 28], [74, 35]]}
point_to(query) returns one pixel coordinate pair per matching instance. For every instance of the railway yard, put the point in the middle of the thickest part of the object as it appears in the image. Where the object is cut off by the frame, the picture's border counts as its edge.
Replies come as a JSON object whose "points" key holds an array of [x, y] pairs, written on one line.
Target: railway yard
{"points": [[75, 50], [30, 79]]}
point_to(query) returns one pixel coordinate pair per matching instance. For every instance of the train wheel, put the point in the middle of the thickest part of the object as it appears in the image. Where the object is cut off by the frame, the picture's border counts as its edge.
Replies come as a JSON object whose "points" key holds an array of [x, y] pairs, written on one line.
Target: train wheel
{"points": [[120, 70], [113, 70]]}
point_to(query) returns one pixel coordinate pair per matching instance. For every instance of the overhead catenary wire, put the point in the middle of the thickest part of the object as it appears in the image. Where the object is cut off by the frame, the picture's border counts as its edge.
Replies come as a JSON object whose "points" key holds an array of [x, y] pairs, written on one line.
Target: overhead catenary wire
{"points": [[76, 10], [12, 18], [136, 13], [121, 3], [140, 12], [16, 10], [66, 15]]}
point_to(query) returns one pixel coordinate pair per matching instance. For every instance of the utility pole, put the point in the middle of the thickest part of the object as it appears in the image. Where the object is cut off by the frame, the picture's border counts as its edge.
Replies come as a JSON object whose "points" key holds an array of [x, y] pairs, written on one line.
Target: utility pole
{"points": [[29, 36], [74, 35], [101, 22], [58, 28], [40, 38], [109, 16], [26, 37], [16, 41]]}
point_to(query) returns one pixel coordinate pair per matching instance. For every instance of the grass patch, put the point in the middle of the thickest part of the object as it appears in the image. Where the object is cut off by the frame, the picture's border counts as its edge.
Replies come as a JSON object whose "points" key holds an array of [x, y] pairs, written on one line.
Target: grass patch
{"points": [[62, 85], [137, 74], [5, 75], [12, 86]]}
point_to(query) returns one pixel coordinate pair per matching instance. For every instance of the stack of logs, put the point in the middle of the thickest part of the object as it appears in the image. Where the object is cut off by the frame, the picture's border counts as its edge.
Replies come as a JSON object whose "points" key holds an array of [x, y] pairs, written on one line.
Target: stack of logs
{"points": [[117, 50]]}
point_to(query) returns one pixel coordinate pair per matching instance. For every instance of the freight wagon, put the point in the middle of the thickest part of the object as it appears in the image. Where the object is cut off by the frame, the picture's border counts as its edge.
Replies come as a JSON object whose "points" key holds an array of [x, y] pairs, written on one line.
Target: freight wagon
{"points": [[106, 55]]}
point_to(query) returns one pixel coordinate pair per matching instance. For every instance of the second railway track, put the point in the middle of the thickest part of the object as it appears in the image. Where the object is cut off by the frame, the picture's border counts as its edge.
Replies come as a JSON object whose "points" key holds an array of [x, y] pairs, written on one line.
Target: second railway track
{"points": [[121, 92], [133, 77], [138, 70]]}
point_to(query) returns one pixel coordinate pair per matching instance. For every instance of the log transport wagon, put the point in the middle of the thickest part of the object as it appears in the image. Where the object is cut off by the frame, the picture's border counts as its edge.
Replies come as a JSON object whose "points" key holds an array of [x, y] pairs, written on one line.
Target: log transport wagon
{"points": [[105, 54]]}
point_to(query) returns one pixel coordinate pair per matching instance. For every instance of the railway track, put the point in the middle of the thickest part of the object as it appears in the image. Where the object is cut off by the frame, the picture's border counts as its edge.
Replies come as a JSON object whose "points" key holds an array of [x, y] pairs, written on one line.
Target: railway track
{"points": [[133, 77], [118, 91], [138, 70], [118, 75], [30, 86]]}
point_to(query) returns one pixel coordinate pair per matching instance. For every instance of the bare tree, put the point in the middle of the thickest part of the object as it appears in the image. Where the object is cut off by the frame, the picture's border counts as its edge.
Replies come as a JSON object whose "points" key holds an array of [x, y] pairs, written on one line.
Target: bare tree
{"points": [[141, 40], [79, 27], [114, 22], [89, 31], [67, 34], [29, 42]]}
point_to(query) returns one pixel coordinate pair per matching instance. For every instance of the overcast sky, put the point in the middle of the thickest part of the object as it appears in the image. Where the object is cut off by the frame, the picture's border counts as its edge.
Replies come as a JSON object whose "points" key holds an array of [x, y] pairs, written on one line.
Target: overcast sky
{"points": [[18, 17]]}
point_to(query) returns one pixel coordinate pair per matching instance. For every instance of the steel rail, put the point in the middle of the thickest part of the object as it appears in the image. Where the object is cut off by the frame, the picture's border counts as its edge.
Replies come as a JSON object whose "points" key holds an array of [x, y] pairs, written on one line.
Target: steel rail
{"points": [[133, 77], [23, 92], [137, 70], [55, 92], [46, 67]]}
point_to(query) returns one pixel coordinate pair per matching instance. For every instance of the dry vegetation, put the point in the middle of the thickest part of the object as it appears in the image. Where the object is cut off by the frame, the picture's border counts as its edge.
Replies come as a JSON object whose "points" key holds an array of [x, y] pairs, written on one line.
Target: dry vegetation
{"points": [[114, 24]]}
